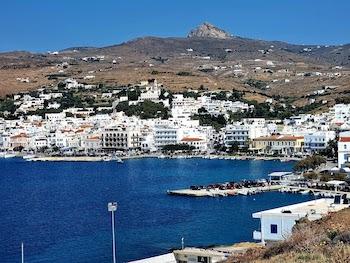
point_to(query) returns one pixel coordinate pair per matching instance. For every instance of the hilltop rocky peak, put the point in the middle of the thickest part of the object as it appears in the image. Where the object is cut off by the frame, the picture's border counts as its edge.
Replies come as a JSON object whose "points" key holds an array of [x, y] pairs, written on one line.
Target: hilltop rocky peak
{"points": [[207, 30]]}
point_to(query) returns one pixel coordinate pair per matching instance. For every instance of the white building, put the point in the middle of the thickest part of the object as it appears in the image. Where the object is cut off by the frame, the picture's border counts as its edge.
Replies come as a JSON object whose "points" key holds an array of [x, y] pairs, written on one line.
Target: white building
{"points": [[242, 134], [91, 143], [217, 107], [184, 107], [199, 143], [340, 113], [277, 224], [55, 116], [343, 149], [120, 138], [316, 141], [165, 134], [188, 255]]}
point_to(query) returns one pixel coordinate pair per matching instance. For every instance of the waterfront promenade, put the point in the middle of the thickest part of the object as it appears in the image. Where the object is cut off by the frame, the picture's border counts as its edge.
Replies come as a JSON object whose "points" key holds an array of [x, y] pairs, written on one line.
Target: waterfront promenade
{"points": [[86, 158]]}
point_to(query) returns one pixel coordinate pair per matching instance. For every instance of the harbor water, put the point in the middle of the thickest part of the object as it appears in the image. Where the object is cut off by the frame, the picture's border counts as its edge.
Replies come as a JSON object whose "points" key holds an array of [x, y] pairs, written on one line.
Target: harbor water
{"points": [[59, 209]]}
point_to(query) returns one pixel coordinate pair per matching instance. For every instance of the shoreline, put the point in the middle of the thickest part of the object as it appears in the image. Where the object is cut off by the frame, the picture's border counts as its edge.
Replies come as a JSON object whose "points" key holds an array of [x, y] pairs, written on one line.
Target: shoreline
{"points": [[158, 156]]}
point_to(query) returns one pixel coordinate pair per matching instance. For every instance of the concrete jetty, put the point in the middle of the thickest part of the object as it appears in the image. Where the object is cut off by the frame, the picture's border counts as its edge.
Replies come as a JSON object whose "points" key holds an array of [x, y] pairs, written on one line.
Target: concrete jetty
{"points": [[224, 192]]}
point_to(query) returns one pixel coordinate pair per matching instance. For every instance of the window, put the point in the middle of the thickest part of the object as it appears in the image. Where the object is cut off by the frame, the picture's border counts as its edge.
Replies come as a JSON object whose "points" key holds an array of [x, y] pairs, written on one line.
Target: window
{"points": [[273, 228]]}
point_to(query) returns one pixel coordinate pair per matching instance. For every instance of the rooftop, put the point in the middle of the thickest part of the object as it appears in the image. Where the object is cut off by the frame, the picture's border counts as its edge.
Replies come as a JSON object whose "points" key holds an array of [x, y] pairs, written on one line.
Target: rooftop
{"points": [[166, 258], [279, 138], [315, 208]]}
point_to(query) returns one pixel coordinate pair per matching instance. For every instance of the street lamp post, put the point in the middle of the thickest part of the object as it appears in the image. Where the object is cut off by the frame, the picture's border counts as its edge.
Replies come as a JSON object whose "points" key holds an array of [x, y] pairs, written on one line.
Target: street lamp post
{"points": [[22, 252], [112, 207]]}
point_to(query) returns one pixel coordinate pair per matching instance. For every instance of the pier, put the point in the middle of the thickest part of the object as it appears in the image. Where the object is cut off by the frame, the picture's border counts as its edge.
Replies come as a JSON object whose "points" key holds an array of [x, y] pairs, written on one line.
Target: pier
{"points": [[67, 159], [222, 191]]}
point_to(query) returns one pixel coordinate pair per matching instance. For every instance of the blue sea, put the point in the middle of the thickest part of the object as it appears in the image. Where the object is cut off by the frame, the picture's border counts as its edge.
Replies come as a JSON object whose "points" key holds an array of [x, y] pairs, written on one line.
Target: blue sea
{"points": [[59, 209]]}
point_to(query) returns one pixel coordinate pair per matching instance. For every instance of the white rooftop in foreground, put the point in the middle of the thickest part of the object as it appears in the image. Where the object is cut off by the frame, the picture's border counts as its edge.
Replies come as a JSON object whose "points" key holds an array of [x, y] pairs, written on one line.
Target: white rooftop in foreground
{"points": [[277, 224], [166, 258], [188, 254], [313, 209]]}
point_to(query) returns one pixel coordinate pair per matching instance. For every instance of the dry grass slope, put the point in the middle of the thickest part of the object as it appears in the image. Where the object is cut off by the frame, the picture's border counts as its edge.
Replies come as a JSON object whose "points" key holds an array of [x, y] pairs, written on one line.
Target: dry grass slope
{"points": [[323, 241]]}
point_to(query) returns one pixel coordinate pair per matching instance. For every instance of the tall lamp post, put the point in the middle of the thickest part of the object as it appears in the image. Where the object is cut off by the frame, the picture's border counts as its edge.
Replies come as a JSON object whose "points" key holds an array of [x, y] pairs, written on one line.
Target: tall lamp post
{"points": [[22, 252], [112, 207]]}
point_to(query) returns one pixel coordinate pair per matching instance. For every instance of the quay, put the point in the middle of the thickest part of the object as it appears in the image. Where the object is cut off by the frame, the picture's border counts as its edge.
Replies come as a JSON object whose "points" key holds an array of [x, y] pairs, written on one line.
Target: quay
{"points": [[68, 159], [216, 192]]}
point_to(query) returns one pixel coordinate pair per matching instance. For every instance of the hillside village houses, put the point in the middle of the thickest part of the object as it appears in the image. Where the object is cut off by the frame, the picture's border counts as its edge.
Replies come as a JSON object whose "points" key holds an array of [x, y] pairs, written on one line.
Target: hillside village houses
{"points": [[87, 131]]}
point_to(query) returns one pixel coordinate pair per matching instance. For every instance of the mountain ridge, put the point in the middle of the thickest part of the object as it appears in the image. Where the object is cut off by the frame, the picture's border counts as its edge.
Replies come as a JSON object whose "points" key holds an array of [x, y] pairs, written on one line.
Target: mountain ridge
{"points": [[215, 63]]}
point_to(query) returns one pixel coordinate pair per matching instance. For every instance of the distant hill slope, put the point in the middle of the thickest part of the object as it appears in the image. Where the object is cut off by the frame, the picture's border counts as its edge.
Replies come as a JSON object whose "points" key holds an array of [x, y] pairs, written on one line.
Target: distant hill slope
{"points": [[210, 56], [242, 48]]}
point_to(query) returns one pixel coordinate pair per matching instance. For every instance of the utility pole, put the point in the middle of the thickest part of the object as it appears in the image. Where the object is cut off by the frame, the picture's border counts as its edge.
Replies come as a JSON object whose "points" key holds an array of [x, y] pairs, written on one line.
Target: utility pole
{"points": [[112, 207], [22, 252]]}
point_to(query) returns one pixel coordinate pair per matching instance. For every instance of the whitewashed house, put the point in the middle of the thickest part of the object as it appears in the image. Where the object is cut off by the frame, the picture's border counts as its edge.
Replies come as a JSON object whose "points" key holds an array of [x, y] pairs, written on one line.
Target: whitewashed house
{"points": [[277, 224]]}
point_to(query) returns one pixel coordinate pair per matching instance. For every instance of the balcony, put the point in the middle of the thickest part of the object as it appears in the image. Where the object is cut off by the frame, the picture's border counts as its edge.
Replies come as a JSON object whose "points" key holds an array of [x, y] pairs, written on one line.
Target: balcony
{"points": [[256, 235]]}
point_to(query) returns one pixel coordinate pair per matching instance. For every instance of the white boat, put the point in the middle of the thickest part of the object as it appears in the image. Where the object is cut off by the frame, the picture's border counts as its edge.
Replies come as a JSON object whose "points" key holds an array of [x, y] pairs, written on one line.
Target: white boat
{"points": [[242, 192], [327, 194], [305, 192], [29, 156], [119, 160], [106, 159], [9, 155]]}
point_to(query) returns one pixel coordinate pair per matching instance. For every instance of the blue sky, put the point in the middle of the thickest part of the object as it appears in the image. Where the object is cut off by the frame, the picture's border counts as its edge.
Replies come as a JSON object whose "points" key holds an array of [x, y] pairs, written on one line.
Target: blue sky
{"points": [[41, 25]]}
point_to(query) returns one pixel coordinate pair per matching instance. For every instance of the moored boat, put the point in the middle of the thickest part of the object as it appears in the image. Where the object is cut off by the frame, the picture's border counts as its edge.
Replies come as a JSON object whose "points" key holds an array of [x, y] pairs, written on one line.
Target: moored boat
{"points": [[9, 155]]}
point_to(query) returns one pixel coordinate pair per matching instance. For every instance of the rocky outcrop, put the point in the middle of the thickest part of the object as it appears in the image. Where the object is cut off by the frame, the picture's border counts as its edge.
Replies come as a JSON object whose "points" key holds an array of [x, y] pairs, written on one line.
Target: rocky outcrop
{"points": [[207, 30]]}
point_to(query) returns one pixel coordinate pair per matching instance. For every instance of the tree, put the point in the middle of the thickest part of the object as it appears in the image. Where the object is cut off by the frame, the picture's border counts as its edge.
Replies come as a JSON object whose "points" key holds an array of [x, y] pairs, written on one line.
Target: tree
{"points": [[8, 105], [145, 110], [331, 150], [310, 162], [217, 122], [234, 147], [177, 147], [18, 148]]}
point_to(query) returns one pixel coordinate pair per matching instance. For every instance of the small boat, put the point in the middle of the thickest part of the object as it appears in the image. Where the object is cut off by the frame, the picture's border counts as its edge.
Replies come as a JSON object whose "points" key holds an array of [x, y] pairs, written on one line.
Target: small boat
{"points": [[327, 194], [119, 160], [242, 192], [28, 157], [305, 192], [9, 155], [106, 159]]}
